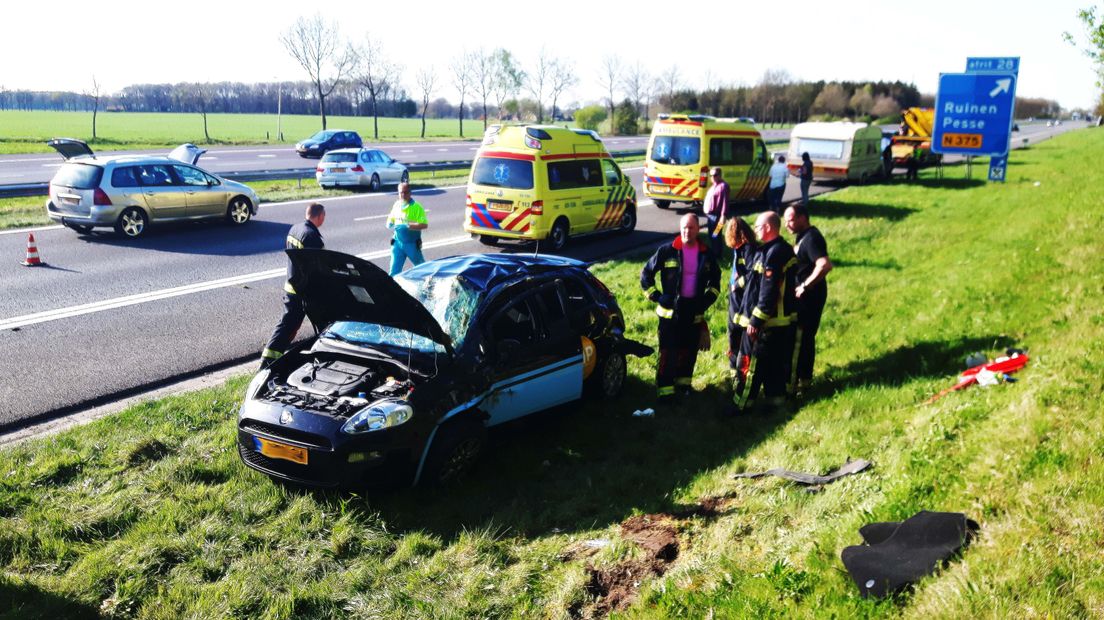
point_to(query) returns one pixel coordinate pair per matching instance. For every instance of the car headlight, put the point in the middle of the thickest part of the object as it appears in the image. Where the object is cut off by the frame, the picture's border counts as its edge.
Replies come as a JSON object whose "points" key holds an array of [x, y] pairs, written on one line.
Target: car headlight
{"points": [[377, 416], [258, 382]]}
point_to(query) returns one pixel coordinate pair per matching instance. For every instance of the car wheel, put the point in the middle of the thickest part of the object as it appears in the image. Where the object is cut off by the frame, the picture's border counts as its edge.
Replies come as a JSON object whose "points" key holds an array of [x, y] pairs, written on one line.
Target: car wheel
{"points": [[488, 240], [374, 184], [608, 377], [662, 204], [628, 220], [405, 178], [131, 223], [559, 234], [455, 450], [239, 211]]}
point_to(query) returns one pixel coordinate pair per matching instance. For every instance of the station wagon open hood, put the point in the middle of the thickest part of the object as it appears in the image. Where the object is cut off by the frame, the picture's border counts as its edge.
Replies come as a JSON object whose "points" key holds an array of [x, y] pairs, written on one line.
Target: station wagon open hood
{"points": [[187, 153], [340, 287], [71, 148]]}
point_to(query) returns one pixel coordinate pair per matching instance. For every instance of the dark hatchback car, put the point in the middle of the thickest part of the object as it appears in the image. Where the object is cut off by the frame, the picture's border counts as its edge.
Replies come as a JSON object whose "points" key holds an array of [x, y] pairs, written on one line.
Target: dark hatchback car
{"points": [[407, 374], [327, 140]]}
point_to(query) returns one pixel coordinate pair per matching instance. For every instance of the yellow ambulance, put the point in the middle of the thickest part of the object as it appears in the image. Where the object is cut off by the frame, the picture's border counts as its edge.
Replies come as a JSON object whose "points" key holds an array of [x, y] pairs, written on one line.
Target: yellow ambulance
{"points": [[540, 182], [683, 148]]}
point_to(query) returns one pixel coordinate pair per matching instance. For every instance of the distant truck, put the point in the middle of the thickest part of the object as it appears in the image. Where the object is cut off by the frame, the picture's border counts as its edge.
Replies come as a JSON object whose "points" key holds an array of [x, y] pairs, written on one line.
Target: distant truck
{"points": [[840, 151], [917, 125]]}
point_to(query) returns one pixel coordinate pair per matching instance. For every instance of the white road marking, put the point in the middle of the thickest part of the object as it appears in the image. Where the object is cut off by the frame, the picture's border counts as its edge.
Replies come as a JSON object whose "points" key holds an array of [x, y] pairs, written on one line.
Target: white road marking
{"points": [[266, 155], [52, 165], [443, 150], [168, 293], [473, 148], [407, 151]]}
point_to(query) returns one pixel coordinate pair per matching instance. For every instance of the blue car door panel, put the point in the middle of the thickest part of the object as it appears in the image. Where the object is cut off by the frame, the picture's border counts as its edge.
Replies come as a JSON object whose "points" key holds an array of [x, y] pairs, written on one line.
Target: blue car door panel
{"points": [[538, 367]]}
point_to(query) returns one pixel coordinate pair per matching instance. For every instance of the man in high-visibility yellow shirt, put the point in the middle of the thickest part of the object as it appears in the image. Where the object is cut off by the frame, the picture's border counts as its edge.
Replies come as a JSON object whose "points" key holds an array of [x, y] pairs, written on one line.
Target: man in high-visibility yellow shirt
{"points": [[407, 219]]}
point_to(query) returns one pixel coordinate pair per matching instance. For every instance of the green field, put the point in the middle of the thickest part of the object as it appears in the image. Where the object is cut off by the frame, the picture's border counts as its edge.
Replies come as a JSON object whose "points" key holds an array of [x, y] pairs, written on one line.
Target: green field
{"points": [[27, 132], [150, 513]]}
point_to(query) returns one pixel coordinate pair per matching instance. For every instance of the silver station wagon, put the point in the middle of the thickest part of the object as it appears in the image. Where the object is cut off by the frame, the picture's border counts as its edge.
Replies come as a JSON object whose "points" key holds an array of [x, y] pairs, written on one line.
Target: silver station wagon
{"points": [[131, 191], [369, 168]]}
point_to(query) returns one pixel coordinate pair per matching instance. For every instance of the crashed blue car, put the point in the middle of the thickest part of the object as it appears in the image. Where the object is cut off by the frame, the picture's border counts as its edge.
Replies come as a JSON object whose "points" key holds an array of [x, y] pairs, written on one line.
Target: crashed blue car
{"points": [[406, 374]]}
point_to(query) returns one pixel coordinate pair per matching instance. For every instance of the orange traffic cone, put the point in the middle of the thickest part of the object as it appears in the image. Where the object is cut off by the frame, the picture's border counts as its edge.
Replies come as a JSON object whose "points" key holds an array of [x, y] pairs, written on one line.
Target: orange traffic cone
{"points": [[32, 259]]}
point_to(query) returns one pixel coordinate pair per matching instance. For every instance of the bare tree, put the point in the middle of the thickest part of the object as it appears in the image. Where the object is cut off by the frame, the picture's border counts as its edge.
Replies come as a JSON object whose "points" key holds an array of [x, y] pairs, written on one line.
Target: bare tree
{"points": [[831, 100], [483, 77], [562, 77], [508, 79], [93, 95], [318, 48], [669, 82], [537, 80], [463, 74], [609, 76], [427, 81], [636, 83], [375, 73]]}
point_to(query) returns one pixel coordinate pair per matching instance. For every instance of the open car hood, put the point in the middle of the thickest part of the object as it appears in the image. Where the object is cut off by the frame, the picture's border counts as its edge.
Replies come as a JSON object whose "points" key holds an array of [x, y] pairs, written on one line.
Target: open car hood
{"points": [[340, 287], [187, 153], [71, 148]]}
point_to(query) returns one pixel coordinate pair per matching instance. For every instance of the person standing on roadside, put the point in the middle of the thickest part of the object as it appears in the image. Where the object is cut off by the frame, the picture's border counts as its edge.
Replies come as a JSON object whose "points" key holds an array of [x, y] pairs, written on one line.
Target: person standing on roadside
{"points": [[739, 237], [716, 211], [303, 235], [770, 310], [912, 164], [407, 220], [811, 290], [683, 279], [779, 172], [805, 173]]}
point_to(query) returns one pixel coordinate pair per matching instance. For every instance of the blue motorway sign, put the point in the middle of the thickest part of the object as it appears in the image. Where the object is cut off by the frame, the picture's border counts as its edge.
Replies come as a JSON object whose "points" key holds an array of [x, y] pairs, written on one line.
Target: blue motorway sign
{"points": [[1004, 64], [973, 113]]}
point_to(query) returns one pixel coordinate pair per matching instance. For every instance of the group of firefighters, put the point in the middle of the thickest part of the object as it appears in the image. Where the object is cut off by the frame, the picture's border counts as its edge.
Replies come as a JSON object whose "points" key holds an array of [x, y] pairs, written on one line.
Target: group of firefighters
{"points": [[776, 295]]}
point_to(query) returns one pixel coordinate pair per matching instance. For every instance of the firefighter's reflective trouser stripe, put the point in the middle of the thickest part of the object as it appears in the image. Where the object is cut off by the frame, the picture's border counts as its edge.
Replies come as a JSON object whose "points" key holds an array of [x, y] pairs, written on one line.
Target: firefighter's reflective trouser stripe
{"points": [[809, 311], [678, 348], [285, 330], [765, 365]]}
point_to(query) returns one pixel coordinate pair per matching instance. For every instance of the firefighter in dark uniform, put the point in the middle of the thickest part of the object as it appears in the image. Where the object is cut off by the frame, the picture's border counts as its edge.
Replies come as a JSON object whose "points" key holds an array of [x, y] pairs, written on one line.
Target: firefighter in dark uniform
{"points": [[688, 283], [811, 291], [770, 312], [303, 235], [739, 237]]}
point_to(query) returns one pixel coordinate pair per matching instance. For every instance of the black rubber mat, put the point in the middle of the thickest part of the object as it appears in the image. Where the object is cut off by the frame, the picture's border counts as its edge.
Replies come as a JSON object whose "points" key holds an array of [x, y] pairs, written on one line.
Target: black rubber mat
{"points": [[900, 554]]}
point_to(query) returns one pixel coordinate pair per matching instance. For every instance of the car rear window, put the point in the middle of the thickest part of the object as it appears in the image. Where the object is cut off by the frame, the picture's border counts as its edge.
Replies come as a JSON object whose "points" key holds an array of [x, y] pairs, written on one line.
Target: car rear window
{"points": [[339, 157], [78, 176], [502, 172]]}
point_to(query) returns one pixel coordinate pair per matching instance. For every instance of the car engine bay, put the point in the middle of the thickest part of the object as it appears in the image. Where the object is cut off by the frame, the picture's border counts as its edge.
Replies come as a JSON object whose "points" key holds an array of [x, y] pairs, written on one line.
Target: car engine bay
{"points": [[335, 386]]}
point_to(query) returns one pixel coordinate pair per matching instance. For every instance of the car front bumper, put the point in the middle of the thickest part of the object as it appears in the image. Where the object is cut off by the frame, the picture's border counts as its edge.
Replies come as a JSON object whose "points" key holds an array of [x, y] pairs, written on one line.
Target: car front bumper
{"points": [[334, 459]]}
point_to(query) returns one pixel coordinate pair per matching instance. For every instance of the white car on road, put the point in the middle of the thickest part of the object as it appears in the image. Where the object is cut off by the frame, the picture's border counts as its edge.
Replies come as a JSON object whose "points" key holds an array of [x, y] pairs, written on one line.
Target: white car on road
{"points": [[369, 168]]}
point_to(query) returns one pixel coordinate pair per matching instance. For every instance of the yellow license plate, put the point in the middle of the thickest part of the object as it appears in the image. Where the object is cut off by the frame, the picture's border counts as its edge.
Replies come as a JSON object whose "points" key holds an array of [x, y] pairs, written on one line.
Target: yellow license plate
{"points": [[495, 205], [277, 450], [337, 170], [962, 140]]}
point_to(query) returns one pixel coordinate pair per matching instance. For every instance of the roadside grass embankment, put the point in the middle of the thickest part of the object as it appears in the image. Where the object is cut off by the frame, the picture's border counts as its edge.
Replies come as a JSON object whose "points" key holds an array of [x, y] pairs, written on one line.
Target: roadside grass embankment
{"points": [[149, 513]]}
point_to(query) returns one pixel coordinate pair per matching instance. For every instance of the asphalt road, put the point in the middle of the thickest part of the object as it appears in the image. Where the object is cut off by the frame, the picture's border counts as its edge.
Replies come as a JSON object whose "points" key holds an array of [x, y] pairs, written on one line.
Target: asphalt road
{"points": [[40, 167], [109, 316]]}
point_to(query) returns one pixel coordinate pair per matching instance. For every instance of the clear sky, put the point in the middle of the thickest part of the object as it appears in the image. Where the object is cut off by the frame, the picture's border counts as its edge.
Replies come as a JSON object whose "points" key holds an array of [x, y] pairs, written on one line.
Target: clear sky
{"points": [[60, 44]]}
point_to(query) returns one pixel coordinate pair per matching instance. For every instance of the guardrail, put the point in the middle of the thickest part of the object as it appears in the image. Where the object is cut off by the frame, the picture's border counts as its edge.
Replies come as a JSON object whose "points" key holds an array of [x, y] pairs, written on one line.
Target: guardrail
{"points": [[42, 189]]}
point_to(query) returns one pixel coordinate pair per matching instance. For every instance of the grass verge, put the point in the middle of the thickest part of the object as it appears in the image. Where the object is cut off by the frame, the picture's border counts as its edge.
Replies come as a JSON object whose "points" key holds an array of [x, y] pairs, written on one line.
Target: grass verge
{"points": [[150, 514]]}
